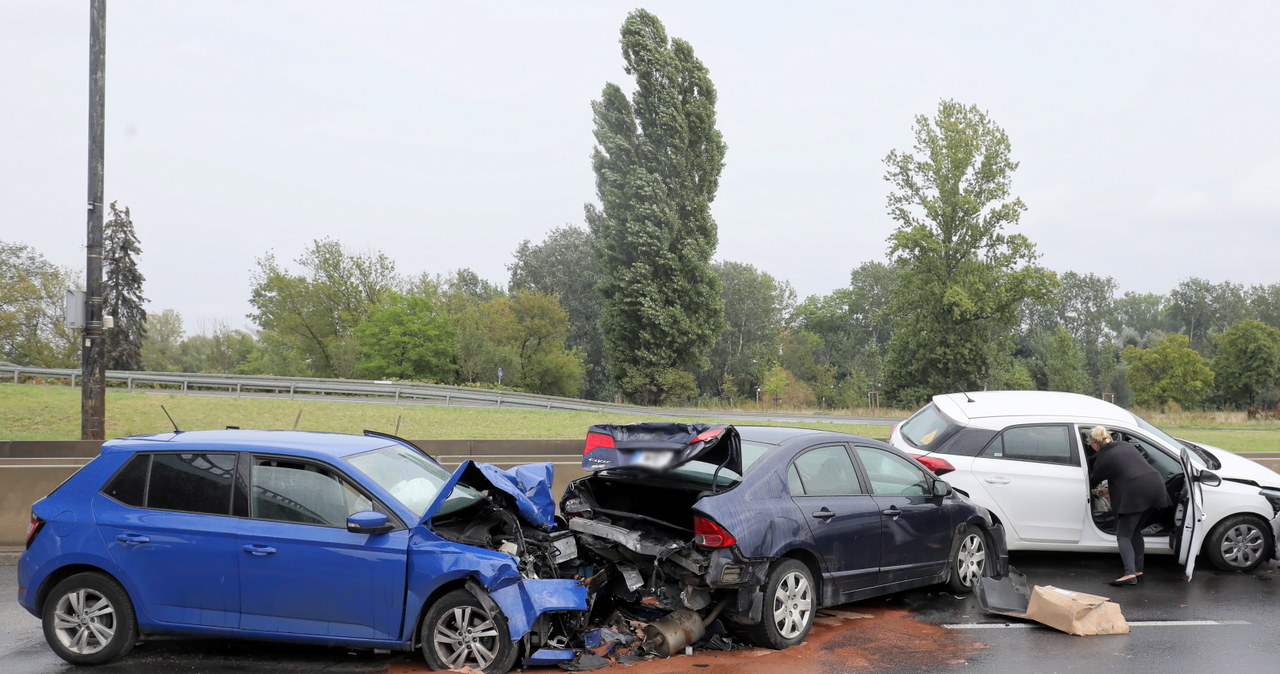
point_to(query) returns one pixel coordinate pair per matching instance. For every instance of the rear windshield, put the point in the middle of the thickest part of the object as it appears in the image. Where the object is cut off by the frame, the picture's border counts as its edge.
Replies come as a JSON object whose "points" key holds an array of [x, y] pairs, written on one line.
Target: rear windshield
{"points": [[927, 428]]}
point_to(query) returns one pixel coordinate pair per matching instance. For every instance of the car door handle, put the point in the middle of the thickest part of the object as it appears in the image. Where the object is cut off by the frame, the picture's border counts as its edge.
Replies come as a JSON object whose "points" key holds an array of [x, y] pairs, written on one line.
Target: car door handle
{"points": [[132, 538], [823, 514], [893, 511], [259, 550], [996, 480]]}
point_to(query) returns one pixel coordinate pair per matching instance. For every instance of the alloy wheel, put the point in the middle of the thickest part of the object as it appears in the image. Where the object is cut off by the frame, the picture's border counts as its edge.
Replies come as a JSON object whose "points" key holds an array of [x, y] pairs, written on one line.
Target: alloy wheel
{"points": [[84, 621], [466, 636], [792, 605]]}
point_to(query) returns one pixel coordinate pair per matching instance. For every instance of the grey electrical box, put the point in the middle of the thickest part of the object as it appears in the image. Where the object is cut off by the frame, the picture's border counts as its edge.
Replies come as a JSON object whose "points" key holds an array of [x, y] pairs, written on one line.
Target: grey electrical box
{"points": [[75, 309]]}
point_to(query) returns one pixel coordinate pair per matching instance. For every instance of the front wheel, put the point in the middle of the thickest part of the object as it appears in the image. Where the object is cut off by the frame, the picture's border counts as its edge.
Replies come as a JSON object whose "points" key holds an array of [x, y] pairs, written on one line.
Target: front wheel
{"points": [[88, 619], [1238, 543], [968, 560], [789, 605], [460, 632]]}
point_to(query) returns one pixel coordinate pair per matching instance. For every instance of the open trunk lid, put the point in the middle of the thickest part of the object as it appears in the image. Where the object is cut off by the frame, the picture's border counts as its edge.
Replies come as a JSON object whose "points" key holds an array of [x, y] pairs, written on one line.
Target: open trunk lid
{"points": [[659, 446]]}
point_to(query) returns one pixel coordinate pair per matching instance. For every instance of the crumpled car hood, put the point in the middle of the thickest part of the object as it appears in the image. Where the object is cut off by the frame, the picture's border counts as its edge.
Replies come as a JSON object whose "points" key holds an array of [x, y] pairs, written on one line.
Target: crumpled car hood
{"points": [[529, 485]]}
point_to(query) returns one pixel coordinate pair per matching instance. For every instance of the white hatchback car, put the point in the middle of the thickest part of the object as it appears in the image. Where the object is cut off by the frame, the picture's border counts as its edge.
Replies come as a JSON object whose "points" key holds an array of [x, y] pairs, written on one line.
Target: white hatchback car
{"points": [[1022, 454]]}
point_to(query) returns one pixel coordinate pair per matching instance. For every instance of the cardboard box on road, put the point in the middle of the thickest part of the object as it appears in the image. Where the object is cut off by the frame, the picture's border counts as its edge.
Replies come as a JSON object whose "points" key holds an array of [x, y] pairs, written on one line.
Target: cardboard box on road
{"points": [[1075, 612]]}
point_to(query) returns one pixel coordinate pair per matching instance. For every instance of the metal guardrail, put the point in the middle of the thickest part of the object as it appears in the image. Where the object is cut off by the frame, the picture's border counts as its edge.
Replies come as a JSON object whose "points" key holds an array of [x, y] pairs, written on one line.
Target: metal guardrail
{"points": [[258, 385]]}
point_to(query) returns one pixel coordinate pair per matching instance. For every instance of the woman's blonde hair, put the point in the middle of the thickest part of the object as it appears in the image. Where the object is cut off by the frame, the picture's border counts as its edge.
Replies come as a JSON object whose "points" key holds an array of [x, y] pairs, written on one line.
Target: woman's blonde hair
{"points": [[1100, 436]]}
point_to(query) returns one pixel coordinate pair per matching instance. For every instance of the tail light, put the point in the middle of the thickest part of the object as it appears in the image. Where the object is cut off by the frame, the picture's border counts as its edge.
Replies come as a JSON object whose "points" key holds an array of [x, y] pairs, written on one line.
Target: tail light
{"points": [[708, 534], [596, 440], [937, 465], [34, 528], [707, 435]]}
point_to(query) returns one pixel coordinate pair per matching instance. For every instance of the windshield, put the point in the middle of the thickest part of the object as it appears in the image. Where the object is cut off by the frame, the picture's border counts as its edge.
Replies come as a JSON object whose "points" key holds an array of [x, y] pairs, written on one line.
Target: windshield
{"points": [[413, 479], [1169, 441], [926, 428]]}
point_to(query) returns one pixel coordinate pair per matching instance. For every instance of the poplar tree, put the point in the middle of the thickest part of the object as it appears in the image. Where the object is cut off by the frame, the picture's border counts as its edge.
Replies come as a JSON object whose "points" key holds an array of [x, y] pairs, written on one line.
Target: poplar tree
{"points": [[657, 164]]}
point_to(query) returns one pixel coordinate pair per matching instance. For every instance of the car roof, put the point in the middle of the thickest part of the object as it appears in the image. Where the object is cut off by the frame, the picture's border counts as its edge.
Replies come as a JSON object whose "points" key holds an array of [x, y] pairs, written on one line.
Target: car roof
{"points": [[777, 435], [302, 443], [989, 409]]}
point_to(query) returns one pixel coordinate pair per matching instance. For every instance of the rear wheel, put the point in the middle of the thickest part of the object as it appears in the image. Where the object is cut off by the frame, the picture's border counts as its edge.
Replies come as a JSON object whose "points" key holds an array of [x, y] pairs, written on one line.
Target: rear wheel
{"points": [[1238, 543], [460, 632], [968, 560], [88, 619], [790, 601]]}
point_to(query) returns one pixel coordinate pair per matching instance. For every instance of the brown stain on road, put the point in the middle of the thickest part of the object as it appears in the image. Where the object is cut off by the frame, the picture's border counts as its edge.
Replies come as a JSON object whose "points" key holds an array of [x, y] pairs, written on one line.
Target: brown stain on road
{"points": [[871, 639]]}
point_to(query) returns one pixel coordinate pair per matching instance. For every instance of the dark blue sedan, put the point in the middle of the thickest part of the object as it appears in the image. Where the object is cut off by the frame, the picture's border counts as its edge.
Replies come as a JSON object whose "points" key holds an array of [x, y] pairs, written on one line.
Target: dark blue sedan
{"points": [[341, 540], [762, 526]]}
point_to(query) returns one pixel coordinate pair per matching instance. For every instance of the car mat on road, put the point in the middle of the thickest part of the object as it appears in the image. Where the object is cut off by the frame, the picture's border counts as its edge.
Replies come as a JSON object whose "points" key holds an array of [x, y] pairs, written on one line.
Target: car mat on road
{"points": [[1004, 596]]}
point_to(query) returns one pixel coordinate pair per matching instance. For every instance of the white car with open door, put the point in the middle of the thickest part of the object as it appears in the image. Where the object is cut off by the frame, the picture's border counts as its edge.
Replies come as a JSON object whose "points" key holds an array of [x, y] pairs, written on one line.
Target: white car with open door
{"points": [[1022, 455]]}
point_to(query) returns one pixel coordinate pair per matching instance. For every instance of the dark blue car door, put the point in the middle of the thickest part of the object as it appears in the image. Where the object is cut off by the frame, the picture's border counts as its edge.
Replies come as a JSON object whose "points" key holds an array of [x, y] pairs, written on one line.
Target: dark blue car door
{"points": [[917, 540], [166, 521], [843, 518], [301, 571]]}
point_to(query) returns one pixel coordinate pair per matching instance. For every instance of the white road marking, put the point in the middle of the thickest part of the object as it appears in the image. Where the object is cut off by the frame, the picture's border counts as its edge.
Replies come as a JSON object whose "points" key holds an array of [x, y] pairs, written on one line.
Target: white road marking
{"points": [[1132, 623]]}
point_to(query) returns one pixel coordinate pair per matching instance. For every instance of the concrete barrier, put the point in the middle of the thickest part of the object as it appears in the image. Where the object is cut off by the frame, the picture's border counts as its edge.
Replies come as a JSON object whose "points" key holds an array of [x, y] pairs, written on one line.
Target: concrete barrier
{"points": [[29, 470]]}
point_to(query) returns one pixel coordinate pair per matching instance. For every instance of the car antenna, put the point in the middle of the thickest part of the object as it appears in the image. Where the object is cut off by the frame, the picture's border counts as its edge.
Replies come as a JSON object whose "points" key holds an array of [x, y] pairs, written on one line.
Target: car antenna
{"points": [[966, 397], [175, 424]]}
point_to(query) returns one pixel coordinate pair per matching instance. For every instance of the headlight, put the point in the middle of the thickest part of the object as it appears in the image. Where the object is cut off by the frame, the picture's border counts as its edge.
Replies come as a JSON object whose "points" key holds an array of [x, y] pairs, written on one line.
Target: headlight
{"points": [[1273, 497]]}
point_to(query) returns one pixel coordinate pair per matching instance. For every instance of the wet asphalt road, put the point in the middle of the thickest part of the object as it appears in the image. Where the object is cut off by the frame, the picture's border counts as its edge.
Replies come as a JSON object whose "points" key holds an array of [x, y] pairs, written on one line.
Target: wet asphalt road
{"points": [[1218, 622]]}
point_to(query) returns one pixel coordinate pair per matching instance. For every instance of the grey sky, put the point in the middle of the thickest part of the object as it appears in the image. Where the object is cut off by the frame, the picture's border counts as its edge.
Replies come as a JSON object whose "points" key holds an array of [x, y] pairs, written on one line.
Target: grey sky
{"points": [[443, 134]]}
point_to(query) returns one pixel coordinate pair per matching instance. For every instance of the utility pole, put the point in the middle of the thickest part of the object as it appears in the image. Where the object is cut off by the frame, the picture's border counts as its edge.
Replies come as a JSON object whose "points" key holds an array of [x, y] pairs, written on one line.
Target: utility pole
{"points": [[93, 354]]}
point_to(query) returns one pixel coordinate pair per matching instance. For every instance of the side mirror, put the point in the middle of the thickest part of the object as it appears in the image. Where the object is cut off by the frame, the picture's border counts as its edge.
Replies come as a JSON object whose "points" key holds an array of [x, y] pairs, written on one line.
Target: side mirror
{"points": [[1208, 478], [369, 522], [941, 488]]}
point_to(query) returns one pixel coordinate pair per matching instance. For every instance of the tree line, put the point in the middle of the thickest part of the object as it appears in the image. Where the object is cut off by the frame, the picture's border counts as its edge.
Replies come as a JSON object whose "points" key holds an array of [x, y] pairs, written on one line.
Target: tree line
{"points": [[632, 304]]}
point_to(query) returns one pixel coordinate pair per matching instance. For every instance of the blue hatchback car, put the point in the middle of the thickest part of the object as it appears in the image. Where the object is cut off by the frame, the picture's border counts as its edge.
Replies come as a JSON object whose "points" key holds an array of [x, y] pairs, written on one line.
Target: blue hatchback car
{"points": [[342, 540]]}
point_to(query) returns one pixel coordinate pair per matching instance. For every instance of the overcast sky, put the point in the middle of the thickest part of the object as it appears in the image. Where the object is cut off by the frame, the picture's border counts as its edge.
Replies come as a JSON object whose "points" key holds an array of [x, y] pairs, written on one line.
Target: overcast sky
{"points": [[444, 134]]}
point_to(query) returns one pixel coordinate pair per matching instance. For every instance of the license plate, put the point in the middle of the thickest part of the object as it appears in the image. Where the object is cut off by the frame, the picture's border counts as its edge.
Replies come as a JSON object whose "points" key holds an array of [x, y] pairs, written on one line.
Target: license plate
{"points": [[650, 459]]}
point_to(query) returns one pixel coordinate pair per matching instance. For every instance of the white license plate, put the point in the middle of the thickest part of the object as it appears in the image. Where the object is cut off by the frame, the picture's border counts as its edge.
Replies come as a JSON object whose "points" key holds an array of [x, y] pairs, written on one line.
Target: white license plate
{"points": [[652, 459]]}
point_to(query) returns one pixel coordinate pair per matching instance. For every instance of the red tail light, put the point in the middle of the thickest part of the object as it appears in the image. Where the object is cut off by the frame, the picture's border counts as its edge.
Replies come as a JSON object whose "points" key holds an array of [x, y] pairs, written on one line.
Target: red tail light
{"points": [[595, 440], [707, 435], [935, 464], [708, 534], [34, 528]]}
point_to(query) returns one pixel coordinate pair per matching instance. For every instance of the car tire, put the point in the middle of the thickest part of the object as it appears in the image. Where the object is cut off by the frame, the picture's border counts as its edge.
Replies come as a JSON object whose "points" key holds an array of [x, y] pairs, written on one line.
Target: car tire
{"points": [[969, 560], [459, 631], [88, 619], [1238, 543], [790, 602]]}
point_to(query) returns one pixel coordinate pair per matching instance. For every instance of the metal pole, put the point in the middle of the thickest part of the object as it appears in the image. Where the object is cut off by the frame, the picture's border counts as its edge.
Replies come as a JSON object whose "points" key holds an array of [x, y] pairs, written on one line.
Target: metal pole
{"points": [[93, 354]]}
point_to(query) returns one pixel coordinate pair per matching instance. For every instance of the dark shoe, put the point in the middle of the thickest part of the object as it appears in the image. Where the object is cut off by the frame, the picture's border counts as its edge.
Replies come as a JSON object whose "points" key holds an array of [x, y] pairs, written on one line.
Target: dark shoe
{"points": [[1126, 581]]}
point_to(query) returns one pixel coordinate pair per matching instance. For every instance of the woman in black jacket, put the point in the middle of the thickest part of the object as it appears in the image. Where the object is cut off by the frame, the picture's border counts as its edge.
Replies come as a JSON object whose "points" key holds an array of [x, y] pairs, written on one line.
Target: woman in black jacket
{"points": [[1136, 490]]}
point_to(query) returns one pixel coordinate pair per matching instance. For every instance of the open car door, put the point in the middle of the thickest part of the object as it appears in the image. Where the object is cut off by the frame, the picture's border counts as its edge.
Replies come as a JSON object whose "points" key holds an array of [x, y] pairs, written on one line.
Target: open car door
{"points": [[1189, 533]]}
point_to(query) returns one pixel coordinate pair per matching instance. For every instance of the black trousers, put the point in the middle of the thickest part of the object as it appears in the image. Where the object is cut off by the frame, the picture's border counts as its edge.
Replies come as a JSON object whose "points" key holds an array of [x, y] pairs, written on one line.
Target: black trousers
{"points": [[1129, 540]]}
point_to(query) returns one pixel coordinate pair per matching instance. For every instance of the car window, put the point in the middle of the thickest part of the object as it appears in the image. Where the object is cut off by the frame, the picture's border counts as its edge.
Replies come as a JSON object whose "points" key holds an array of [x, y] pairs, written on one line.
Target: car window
{"points": [[197, 483], [1169, 441], [1167, 465], [927, 428], [1042, 444], [824, 471], [286, 490], [891, 474], [129, 486], [412, 479]]}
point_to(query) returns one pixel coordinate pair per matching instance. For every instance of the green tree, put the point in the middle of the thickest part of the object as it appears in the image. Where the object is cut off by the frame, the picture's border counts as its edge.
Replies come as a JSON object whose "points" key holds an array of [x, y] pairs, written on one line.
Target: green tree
{"points": [[1264, 304], [855, 325], [657, 164], [1200, 310], [218, 348], [1170, 372], [963, 280], [310, 317], [1064, 363], [406, 337], [755, 308], [32, 299], [1141, 315], [1248, 362], [564, 265], [122, 296], [164, 335]]}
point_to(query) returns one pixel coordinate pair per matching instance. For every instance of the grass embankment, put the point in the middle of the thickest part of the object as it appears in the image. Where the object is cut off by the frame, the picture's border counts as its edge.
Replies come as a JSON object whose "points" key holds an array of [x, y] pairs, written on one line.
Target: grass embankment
{"points": [[44, 412]]}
